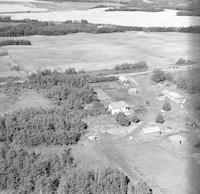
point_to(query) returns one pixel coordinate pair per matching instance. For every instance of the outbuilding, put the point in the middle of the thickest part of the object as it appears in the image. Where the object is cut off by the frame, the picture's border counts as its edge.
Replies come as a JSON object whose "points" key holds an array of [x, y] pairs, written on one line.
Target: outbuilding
{"points": [[120, 106], [152, 131], [178, 98]]}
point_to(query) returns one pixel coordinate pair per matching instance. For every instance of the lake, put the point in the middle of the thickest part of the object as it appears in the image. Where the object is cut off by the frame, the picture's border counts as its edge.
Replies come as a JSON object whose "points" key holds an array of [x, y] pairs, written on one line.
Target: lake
{"points": [[165, 18]]}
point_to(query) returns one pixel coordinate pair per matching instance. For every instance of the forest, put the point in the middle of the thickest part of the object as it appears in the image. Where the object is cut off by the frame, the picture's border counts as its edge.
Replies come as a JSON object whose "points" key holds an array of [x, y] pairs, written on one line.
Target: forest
{"points": [[34, 27], [29, 172]]}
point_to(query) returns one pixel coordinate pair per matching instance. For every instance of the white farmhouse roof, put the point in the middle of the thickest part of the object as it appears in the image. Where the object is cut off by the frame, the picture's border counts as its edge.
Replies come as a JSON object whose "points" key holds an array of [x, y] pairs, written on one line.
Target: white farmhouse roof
{"points": [[149, 130], [118, 105], [122, 78]]}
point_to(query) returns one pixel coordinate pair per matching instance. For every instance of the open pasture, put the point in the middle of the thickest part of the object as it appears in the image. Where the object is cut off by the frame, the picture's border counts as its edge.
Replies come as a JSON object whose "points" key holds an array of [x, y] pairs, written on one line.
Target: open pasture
{"points": [[100, 51]]}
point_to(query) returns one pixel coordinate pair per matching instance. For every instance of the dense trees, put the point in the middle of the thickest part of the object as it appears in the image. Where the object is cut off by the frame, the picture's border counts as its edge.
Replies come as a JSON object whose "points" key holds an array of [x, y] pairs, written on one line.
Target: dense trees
{"points": [[106, 181], [190, 83], [122, 119], [160, 118], [32, 127], [14, 42], [166, 105], [62, 125], [28, 172], [33, 27], [140, 66], [158, 75]]}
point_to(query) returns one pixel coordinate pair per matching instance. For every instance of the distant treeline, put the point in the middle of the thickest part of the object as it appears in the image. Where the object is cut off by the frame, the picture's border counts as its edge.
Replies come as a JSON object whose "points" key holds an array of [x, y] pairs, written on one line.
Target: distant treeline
{"points": [[188, 13], [134, 9], [34, 27], [121, 68], [132, 66], [14, 42]]}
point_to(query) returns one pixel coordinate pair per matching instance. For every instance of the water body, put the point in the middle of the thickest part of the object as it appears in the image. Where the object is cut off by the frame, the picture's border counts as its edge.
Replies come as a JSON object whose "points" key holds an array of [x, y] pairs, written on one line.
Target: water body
{"points": [[165, 18]]}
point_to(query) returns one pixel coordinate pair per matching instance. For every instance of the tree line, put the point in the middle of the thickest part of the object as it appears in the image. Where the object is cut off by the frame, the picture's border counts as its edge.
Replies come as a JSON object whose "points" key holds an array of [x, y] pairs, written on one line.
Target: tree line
{"points": [[34, 27], [14, 42]]}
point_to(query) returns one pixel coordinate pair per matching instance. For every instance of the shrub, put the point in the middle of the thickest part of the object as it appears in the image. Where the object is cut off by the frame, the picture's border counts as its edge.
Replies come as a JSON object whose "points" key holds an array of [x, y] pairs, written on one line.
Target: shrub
{"points": [[160, 118], [158, 75], [166, 106], [168, 77], [132, 66], [15, 42], [135, 119], [3, 53], [122, 119]]}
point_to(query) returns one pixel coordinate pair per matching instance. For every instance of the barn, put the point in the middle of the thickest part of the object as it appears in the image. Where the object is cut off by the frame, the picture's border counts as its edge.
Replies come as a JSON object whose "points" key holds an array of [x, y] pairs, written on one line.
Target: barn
{"points": [[120, 106], [178, 98]]}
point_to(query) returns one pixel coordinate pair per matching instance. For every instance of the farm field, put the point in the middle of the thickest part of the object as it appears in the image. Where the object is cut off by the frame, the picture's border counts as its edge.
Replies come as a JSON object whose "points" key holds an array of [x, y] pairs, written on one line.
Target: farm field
{"points": [[100, 51]]}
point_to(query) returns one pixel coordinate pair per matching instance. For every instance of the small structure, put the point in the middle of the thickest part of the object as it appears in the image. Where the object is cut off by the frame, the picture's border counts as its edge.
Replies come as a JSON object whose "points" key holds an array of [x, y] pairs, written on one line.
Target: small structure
{"points": [[133, 91], [174, 96], [120, 106], [177, 139], [128, 81], [152, 131], [124, 80]]}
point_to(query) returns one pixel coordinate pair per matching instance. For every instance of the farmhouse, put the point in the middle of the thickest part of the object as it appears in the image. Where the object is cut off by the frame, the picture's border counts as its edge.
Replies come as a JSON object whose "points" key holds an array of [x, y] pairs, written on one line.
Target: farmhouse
{"points": [[152, 131], [120, 106], [174, 96]]}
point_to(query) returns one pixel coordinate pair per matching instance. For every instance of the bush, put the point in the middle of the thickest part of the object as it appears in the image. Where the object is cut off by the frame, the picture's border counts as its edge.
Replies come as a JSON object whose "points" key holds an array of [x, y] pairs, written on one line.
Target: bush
{"points": [[132, 66], [166, 106], [135, 118], [160, 118], [168, 77], [15, 42], [182, 61], [158, 75], [3, 53], [122, 119]]}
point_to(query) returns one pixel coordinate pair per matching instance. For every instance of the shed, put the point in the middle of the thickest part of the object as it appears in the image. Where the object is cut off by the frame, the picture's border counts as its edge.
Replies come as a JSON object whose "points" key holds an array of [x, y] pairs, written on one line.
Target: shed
{"points": [[120, 106], [177, 139], [178, 98], [124, 80], [152, 131]]}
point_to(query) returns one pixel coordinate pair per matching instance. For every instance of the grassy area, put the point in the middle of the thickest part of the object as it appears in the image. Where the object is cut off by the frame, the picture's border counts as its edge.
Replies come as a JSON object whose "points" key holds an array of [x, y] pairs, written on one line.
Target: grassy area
{"points": [[101, 51]]}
